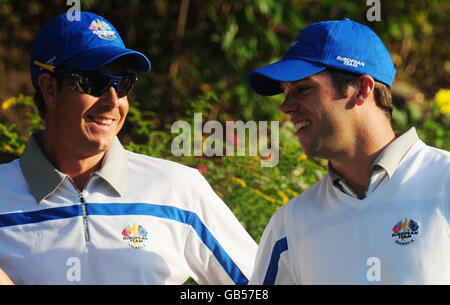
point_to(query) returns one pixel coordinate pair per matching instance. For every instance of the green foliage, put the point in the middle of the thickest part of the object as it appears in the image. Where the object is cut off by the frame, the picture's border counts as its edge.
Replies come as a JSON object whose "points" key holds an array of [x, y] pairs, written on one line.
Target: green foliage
{"points": [[431, 124], [18, 119]]}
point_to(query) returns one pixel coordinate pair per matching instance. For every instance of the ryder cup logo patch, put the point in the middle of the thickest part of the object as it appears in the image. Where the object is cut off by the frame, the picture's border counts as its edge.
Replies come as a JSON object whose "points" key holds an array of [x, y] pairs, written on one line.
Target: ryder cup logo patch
{"points": [[136, 236], [102, 30], [405, 231]]}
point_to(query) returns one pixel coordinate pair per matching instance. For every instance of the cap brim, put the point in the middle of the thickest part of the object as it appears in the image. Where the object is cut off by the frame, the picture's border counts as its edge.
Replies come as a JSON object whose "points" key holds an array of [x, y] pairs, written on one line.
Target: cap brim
{"points": [[266, 80], [96, 58]]}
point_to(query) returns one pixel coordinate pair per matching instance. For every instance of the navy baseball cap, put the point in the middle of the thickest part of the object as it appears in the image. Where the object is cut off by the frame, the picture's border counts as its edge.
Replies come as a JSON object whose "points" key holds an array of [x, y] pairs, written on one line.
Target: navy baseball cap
{"points": [[340, 44], [83, 45]]}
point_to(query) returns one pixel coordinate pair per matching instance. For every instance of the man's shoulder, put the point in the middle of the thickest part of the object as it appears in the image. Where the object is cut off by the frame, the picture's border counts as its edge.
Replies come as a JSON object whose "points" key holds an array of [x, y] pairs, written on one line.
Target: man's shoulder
{"points": [[146, 167], [12, 181], [9, 171], [306, 199], [9, 164], [428, 158], [424, 171], [438, 154], [144, 162], [310, 193]]}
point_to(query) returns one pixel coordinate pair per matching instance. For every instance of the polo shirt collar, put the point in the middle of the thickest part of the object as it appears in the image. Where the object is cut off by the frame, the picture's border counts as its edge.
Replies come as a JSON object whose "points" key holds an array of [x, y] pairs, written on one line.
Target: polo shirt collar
{"points": [[43, 178], [389, 158], [115, 167]]}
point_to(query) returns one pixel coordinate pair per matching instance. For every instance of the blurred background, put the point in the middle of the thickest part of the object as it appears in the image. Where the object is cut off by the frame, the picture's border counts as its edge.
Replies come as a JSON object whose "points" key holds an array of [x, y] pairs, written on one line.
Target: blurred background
{"points": [[201, 52]]}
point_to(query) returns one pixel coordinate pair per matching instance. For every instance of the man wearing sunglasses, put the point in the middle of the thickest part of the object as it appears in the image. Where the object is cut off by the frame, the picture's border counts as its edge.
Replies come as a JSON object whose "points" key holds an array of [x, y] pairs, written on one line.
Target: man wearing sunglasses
{"points": [[78, 208]]}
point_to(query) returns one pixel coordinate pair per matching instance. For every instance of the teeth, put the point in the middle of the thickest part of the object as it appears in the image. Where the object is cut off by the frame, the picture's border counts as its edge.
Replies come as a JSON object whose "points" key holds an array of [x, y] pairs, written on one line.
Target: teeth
{"points": [[103, 121], [301, 124]]}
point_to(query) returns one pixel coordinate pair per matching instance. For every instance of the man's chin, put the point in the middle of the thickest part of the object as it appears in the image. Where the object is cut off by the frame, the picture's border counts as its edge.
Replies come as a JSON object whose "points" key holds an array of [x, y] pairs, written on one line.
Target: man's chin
{"points": [[98, 145]]}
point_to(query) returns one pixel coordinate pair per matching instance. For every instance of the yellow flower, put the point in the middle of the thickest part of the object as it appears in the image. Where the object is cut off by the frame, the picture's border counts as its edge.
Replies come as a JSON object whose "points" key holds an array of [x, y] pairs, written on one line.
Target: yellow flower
{"points": [[9, 102], [293, 193], [302, 157], [8, 148], [442, 99], [283, 196], [240, 181], [271, 199]]}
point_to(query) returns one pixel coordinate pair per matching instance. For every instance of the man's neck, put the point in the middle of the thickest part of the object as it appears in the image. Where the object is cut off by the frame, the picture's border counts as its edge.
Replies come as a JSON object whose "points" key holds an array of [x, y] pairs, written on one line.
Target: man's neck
{"points": [[78, 168], [81, 170], [355, 167]]}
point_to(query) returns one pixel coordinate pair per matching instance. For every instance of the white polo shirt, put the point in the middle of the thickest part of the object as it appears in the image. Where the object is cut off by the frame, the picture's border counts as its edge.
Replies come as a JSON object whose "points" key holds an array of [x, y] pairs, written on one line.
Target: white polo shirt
{"points": [[139, 220], [398, 234]]}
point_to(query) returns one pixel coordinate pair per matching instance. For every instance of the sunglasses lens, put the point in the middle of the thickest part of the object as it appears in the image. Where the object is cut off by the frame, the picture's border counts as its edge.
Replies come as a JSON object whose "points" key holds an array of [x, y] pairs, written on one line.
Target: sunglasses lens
{"points": [[124, 85], [83, 83], [97, 84]]}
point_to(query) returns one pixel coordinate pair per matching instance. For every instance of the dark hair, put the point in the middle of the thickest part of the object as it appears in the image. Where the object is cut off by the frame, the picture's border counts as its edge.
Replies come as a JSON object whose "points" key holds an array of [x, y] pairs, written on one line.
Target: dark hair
{"points": [[342, 79], [39, 99]]}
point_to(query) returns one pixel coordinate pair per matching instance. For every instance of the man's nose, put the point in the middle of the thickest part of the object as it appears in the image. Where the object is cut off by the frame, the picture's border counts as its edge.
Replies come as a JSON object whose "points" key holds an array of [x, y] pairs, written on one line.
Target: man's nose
{"points": [[110, 97], [289, 105]]}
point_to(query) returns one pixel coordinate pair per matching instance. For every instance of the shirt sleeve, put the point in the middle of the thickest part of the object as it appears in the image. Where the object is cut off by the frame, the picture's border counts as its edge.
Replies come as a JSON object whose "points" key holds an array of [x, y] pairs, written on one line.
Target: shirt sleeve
{"points": [[272, 265], [218, 248], [447, 195]]}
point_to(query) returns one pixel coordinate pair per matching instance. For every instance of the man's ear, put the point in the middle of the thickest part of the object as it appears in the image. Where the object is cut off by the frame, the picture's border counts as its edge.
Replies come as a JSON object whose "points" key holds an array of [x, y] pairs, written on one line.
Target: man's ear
{"points": [[49, 88], [365, 87]]}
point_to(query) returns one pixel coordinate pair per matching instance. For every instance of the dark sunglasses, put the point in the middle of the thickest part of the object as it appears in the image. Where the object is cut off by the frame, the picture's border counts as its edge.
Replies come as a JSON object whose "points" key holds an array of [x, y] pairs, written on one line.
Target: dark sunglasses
{"points": [[95, 83], [98, 83]]}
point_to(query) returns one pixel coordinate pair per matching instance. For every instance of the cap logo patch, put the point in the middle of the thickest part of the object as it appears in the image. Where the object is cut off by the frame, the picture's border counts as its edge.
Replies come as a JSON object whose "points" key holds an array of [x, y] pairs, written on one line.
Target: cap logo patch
{"points": [[350, 61], [102, 30]]}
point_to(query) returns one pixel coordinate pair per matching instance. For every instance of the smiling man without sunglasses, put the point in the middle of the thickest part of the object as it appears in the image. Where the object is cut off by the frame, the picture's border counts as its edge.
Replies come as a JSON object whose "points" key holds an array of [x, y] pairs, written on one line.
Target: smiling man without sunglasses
{"points": [[78, 208], [381, 214]]}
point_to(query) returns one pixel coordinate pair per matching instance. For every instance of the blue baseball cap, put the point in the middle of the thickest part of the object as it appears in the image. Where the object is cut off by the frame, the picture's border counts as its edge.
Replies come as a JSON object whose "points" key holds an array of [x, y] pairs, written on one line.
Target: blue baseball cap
{"points": [[340, 44], [84, 45]]}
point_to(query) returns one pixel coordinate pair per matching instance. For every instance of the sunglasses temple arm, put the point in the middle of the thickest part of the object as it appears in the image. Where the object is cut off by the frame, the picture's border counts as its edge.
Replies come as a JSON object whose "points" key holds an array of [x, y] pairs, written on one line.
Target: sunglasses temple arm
{"points": [[45, 66]]}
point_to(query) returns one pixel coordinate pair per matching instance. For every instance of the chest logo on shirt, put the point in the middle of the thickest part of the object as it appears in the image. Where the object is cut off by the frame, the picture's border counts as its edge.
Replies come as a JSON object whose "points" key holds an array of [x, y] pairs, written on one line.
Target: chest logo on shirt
{"points": [[136, 235], [405, 231]]}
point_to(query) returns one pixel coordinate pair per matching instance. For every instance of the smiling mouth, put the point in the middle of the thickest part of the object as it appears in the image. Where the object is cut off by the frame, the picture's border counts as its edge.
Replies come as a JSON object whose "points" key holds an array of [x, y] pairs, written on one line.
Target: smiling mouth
{"points": [[301, 125], [100, 120]]}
